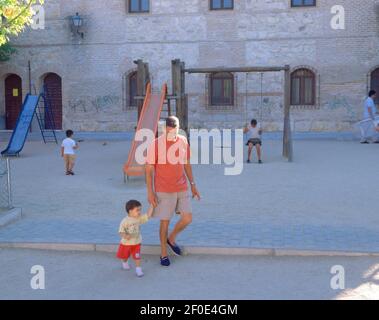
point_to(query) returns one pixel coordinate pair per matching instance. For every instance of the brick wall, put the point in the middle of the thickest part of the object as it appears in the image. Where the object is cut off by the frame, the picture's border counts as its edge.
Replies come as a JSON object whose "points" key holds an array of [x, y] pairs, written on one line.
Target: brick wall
{"points": [[256, 32]]}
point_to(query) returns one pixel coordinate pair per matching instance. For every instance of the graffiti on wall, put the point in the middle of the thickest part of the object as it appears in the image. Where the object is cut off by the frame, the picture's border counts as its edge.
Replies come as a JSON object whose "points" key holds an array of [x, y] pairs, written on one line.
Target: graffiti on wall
{"points": [[339, 102], [77, 105], [94, 104]]}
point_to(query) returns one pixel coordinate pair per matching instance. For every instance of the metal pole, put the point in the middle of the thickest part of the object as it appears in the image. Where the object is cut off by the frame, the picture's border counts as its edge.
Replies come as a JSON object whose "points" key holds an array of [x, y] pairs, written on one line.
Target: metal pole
{"points": [[9, 183], [30, 77], [246, 93], [261, 115]]}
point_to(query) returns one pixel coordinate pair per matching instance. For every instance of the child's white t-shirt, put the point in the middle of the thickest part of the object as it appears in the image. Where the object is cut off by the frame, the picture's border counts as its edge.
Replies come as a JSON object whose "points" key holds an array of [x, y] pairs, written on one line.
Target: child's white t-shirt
{"points": [[131, 226], [68, 144], [253, 133]]}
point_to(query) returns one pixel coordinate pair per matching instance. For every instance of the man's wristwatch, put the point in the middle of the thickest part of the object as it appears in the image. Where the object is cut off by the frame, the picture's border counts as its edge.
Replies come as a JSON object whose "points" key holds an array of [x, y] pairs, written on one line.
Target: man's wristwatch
{"points": [[192, 183]]}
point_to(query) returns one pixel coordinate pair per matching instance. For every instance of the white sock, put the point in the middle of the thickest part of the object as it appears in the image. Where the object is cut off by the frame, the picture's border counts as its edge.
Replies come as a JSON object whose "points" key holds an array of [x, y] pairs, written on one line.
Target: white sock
{"points": [[125, 265], [139, 272]]}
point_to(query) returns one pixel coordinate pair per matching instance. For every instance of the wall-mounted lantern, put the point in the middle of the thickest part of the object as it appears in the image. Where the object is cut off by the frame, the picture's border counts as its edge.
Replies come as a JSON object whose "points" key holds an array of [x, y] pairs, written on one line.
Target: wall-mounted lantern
{"points": [[76, 24]]}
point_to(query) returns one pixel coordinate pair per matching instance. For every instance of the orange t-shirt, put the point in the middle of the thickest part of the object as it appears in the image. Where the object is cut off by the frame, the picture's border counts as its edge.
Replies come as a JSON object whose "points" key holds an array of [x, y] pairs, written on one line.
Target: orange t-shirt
{"points": [[168, 158]]}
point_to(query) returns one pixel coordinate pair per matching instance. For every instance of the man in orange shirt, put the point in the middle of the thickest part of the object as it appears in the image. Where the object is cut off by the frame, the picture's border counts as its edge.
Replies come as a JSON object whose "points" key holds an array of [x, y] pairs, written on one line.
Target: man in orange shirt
{"points": [[167, 170]]}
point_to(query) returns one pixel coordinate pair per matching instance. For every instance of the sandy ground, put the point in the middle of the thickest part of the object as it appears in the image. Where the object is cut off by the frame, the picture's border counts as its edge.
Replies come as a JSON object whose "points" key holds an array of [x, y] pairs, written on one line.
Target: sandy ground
{"points": [[330, 183], [81, 275]]}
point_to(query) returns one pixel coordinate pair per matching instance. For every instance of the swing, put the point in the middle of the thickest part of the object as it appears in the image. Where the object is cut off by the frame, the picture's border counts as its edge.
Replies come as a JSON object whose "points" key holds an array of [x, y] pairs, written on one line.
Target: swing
{"points": [[246, 100]]}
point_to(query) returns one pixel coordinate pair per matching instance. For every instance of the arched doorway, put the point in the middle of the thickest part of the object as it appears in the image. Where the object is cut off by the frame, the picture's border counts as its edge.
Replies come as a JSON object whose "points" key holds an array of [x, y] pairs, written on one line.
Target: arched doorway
{"points": [[53, 85], [13, 100], [374, 85]]}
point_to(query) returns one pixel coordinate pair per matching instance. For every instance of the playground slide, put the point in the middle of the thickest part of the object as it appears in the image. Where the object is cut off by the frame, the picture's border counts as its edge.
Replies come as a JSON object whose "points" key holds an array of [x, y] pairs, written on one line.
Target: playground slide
{"points": [[21, 130], [149, 119]]}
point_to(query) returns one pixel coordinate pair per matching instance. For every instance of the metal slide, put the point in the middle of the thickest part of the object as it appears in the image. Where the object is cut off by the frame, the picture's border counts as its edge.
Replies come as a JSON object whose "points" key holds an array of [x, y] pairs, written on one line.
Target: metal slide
{"points": [[21, 130], [150, 115]]}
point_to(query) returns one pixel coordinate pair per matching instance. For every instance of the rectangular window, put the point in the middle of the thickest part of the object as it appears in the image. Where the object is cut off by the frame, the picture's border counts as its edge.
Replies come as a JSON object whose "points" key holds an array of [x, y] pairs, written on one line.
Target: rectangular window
{"points": [[303, 3], [138, 6], [133, 89], [303, 88], [221, 4], [295, 94], [308, 91], [222, 90]]}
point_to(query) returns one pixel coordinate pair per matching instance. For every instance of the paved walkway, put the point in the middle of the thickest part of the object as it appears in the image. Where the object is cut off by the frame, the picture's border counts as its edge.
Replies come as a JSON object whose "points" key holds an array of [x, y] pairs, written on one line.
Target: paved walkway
{"points": [[200, 233], [90, 275], [325, 200]]}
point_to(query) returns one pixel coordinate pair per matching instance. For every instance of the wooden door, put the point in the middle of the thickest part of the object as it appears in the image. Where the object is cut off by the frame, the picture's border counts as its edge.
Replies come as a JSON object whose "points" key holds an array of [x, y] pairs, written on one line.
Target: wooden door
{"points": [[13, 100], [53, 85]]}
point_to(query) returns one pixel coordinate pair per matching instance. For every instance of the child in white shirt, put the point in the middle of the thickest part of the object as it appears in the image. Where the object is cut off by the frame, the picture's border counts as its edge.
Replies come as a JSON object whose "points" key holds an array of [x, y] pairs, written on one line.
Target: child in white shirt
{"points": [[68, 148], [130, 234], [254, 136]]}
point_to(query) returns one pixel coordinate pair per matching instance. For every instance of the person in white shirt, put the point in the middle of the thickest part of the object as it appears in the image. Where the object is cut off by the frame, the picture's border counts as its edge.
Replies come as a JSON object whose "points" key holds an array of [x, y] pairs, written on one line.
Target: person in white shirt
{"points": [[368, 124], [68, 148], [254, 136]]}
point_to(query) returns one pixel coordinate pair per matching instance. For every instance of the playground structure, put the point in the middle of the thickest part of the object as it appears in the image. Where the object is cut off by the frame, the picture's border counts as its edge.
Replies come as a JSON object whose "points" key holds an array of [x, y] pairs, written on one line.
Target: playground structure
{"points": [[150, 107], [34, 105], [149, 117]]}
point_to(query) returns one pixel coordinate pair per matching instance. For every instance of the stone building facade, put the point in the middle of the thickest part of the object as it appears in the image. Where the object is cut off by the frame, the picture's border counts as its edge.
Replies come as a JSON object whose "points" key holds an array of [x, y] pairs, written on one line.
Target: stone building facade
{"points": [[95, 70]]}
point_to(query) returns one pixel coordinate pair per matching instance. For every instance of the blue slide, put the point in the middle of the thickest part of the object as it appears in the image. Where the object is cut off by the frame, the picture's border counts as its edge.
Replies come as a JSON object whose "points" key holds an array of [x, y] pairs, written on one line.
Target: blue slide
{"points": [[21, 130]]}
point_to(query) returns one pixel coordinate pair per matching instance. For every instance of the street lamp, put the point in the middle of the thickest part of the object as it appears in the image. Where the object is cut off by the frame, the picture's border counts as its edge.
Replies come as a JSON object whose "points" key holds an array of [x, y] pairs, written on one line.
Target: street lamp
{"points": [[77, 23]]}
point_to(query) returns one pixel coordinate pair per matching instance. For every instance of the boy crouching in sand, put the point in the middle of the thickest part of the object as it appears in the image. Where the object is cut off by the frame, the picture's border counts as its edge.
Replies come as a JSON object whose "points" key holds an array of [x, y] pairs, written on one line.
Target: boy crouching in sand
{"points": [[131, 235]]}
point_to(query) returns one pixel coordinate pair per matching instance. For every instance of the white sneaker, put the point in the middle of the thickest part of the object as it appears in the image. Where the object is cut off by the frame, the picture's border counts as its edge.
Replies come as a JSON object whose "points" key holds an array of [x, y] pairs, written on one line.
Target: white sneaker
{"points": [[139, 272], [125, 265]]}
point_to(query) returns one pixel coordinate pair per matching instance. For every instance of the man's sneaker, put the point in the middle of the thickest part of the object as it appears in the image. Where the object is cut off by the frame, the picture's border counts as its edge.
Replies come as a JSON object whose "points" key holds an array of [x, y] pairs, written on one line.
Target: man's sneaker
{"points": [[365, 142], [125, 266], [248, 161], [165, 261], [260, 161], [174, 248], [139, 272]]}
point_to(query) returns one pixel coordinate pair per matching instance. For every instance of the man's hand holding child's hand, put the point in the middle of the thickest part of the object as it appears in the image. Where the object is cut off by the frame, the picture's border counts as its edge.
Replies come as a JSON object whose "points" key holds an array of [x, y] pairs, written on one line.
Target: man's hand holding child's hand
{"points": [[150, 211]]}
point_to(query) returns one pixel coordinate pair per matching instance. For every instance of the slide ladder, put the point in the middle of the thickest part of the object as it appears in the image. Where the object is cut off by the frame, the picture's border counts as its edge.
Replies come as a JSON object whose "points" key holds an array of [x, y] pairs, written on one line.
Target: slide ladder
{"points": [[45, 119]]}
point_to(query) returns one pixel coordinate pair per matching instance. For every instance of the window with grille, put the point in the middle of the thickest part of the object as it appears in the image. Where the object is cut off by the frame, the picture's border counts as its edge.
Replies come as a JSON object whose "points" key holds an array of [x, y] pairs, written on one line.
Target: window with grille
{"points": [[133, 89], [222, 89], [303, 87], [221, 4], [139, 6], [303, 3]]}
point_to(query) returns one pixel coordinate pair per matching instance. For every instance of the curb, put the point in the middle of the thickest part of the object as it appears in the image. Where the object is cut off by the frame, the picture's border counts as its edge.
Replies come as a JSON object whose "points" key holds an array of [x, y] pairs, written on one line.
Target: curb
{"points": [[10, 216], [155, 250]]}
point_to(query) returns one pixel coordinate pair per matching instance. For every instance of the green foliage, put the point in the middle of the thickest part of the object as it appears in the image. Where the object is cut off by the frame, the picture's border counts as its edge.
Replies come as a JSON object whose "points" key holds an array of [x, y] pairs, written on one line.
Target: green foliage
{"points": [[14, 16], [6, 51]]}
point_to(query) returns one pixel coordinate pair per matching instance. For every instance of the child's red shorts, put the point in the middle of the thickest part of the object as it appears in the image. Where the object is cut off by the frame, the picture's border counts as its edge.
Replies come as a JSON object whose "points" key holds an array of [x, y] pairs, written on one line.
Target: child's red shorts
{"points": [[125, 251]]}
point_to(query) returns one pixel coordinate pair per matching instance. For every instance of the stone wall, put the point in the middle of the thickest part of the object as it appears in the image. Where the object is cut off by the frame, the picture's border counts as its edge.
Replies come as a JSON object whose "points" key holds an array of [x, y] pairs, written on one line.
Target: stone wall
{"points": [[255, 33]]}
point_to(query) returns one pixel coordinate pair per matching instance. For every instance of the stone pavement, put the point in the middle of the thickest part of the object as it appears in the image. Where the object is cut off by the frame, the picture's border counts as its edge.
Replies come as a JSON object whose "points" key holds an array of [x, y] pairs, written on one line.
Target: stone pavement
{"points": [[96, 275], [325, 200], [199, 234]]}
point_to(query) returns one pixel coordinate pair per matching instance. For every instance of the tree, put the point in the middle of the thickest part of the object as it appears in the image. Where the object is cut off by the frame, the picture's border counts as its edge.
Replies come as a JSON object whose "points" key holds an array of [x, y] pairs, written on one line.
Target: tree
{"points": [[15, 15], [6, 50]]}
